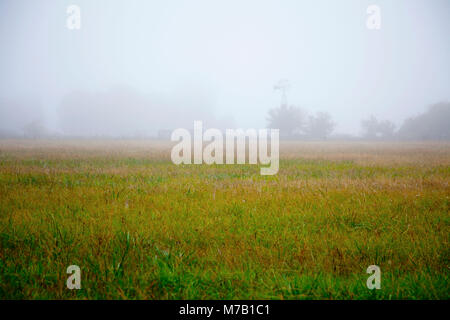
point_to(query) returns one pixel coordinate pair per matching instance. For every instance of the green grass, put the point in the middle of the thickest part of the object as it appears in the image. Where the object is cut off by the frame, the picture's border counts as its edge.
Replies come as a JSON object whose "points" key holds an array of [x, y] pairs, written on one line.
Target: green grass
{"points": [[141, 227]]}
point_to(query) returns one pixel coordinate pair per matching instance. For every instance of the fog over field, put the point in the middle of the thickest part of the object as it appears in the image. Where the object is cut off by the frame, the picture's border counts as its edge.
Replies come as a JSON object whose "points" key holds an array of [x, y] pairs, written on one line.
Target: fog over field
{"points": [[137, 67], [227, 150]]}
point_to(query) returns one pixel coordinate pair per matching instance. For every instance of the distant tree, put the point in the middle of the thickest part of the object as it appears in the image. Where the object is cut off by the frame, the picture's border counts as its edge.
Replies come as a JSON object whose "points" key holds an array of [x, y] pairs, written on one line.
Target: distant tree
{"points": [[386, 129], [17, 113], [320, 126], [289, 119], [374, 128], [34, 129], [434, 124], [370, 127]]}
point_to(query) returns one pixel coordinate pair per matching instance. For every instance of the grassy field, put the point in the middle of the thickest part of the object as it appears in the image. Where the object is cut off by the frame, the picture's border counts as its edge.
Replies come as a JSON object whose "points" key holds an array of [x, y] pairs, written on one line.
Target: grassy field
{"points": [[141, 227]]}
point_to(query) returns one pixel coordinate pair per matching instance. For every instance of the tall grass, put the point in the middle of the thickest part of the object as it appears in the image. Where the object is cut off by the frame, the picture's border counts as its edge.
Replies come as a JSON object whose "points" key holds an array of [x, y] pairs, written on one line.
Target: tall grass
{"points": [[140, 227]]}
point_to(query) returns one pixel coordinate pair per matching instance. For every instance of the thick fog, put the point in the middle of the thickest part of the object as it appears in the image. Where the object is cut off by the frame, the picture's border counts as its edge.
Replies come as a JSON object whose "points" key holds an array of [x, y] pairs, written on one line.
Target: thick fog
{"points": [[137, 67]]}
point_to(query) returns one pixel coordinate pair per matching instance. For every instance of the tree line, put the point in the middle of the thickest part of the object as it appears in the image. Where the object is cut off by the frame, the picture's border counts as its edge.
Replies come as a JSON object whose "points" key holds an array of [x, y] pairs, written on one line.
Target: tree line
{"points": [[294, 123]]}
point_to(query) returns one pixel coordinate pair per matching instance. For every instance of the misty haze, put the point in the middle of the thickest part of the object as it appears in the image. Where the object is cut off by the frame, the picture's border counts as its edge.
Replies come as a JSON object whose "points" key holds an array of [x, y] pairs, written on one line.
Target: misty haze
{"points": [[224, 150], [134, 69]]}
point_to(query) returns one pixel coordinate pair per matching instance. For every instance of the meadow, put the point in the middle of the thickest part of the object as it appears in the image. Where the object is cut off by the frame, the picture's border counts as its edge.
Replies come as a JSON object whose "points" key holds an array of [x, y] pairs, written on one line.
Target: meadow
{"points": [[141, 227]]}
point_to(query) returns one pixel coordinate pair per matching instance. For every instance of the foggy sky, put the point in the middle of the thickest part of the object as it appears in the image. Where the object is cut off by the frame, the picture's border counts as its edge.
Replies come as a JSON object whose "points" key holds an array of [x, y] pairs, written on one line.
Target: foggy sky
{"points": [[219, 59]]}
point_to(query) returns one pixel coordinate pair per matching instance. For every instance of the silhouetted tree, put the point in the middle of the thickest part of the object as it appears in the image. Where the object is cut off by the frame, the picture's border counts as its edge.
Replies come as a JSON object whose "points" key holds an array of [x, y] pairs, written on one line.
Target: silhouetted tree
{"points": [[433, 124], [374, 128], [290, 120], [320, 126]]}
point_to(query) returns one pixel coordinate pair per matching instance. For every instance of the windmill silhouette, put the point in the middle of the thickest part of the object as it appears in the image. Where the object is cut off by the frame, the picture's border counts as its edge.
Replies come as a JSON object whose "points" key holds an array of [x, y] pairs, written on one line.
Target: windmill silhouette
{"points": [[283, 85]]}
